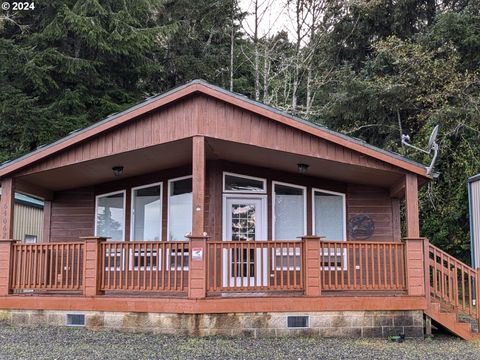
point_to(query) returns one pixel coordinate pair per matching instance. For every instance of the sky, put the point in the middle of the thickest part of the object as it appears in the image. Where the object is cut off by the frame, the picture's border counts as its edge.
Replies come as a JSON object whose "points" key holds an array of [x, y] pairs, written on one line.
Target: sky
{"points": [[274, 16]]}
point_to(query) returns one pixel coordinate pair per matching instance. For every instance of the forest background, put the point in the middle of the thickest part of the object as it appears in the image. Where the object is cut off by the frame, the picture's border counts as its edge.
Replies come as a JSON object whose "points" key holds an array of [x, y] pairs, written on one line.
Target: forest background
{"points": [[372, 69]]}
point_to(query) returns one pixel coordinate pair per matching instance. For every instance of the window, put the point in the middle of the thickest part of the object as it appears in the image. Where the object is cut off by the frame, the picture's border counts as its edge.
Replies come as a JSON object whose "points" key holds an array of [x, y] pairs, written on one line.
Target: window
{"points": [[329, 223], [329, 215], [179, 208], [289, 222], [110, 216], [145, 259], [30, 239], [147, 213], [177, 259], [289, 209], [235, 183]]}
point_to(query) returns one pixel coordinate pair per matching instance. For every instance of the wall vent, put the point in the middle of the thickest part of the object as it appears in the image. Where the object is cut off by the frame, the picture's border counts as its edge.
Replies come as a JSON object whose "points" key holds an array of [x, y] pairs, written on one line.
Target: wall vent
{"points": [[75, 320], [298, 322]]}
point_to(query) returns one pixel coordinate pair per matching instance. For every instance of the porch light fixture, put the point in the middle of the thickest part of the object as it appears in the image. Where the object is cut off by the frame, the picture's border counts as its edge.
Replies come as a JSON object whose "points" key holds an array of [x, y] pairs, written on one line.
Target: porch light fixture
{"points": [[117, 170], [302, 168]]}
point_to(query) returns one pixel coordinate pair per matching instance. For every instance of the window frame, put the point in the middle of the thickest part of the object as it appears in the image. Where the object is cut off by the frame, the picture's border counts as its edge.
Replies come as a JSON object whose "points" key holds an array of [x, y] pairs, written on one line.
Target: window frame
{"points": [[279, 252], [132, 209], [124, 192], [304, 188], [344, 202], [170, 181], [330, 251], [263, 180]]}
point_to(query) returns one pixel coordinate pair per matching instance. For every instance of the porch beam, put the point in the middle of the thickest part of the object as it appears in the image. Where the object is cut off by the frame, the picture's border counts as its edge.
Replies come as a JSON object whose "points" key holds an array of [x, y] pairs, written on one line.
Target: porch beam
{"points": [[198, 186], [7, 202], [398, 190], [411, 206]]}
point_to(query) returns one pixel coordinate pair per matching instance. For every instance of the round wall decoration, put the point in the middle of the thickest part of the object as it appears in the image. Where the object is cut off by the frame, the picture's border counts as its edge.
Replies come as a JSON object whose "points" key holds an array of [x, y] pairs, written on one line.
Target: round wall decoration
{"points": [[361, 227]]}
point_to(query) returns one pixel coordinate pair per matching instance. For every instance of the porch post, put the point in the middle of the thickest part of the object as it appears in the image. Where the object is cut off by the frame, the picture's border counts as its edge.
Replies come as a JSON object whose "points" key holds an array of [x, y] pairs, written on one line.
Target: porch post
{"points": [[5, 266], [414, 245], [311, 256], [6, 209], [92, 268], [197, 281], [411, 206]]}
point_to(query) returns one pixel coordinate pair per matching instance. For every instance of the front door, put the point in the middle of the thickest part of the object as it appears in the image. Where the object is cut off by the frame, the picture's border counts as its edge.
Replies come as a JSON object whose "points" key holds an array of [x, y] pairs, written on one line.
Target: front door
{"points": [[245, 220]]}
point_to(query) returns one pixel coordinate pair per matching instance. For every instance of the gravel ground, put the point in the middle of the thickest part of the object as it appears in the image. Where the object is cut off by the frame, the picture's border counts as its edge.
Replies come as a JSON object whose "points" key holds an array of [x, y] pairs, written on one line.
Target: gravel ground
{"points": [[77, 343]]}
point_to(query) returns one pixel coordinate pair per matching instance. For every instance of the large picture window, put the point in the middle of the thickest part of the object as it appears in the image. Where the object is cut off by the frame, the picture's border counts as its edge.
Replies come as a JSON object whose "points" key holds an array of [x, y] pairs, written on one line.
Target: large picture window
{"points": [[329, 222], [110, 216], [147, 213], [329, 215], [179, 208], [289, 211]]}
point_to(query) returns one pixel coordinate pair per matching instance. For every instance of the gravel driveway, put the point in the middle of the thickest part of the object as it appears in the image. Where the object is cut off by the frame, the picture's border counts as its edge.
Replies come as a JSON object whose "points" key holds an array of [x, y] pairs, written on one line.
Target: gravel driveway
{"points": [[77, 343]]}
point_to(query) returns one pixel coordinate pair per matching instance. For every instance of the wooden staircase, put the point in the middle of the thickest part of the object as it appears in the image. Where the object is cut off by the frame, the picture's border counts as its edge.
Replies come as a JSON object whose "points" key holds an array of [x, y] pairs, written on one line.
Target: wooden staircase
{"points": [[451, 321], [453, 290]]}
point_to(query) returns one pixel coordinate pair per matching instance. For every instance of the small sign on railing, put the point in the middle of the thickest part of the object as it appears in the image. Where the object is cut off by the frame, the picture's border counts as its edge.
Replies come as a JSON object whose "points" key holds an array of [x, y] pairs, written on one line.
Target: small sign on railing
{"points": [[197, 254]]}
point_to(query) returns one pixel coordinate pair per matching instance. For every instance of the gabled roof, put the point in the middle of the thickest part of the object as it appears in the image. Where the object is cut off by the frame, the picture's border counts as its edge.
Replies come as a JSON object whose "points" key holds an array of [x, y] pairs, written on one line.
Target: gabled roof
{"points": [[200, 86]]}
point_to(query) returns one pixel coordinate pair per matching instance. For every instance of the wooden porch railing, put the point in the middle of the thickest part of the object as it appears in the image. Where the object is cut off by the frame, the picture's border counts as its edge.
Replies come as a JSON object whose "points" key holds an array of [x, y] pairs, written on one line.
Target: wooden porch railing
{"points": [[309, 265], [144, 266], [55, 266], [236, 266], [453, 282], [361, 265]]}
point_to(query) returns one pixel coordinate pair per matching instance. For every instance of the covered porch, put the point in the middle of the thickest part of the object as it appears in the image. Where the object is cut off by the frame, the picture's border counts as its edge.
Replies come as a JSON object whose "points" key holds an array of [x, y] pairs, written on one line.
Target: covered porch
{"points": [[246, 222]]}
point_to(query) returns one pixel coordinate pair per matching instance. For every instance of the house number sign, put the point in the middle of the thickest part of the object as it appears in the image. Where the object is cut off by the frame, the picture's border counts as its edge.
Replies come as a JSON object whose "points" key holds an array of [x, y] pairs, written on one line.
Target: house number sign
{"points": [[197, 254]]}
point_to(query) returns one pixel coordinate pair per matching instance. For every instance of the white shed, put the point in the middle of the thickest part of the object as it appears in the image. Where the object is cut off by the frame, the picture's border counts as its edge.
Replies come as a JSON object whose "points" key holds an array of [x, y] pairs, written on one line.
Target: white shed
{"points": [[474, 206]]}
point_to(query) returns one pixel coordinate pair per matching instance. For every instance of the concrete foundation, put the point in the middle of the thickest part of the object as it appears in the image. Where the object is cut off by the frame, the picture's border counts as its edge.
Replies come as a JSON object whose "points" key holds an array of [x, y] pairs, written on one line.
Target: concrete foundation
{"points": [[352, 324]]}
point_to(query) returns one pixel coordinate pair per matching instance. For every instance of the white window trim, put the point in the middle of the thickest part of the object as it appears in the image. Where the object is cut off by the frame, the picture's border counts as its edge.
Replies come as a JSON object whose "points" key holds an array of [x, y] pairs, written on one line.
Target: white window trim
{"points": [[141, 254], [124, 192], [344, 199], [132, 208], [264, 182], [261, 197], [325, 253], [304, 188], [168, 201]]}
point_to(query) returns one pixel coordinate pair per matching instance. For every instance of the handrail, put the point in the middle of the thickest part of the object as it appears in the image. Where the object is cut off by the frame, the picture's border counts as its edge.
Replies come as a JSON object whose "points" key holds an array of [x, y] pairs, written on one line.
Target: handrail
{"points": [[452, 281]]}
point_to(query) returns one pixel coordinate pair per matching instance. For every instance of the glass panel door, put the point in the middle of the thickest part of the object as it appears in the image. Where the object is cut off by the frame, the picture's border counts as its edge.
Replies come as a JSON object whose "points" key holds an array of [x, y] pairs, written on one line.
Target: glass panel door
{"points": [[244, 222]]}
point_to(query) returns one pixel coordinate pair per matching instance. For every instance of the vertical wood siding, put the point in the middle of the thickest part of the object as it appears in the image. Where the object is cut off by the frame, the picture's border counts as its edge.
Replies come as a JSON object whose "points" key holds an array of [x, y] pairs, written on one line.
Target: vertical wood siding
{"points": [[27, 220], [201, 115]]}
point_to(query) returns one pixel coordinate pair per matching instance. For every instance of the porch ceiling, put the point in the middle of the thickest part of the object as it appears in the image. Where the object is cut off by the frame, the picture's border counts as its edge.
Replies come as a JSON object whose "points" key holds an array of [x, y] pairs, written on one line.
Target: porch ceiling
{"points": [[98, 171], [327, 169]]}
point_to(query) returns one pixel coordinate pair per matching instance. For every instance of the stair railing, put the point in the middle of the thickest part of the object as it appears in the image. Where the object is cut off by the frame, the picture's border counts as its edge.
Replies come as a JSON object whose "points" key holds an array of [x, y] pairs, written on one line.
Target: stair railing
{"points": [[453, 282]]}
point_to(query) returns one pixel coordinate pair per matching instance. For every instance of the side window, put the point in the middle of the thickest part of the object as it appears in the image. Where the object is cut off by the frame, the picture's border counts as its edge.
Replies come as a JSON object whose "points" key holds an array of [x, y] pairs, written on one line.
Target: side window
{"points": [[179, 208], [147, 213], [110, 216]]}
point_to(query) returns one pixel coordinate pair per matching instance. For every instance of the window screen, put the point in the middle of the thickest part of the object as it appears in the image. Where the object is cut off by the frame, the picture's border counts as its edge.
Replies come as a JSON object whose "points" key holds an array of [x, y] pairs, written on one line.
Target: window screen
{"points": [[180, 209], [110, 216], [289, 208], [329, 215], [147, 217]]}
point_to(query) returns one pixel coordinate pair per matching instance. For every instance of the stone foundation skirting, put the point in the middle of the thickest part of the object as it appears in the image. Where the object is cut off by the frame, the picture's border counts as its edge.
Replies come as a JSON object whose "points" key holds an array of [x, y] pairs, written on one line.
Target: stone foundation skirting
{"points": [[352, 324]]}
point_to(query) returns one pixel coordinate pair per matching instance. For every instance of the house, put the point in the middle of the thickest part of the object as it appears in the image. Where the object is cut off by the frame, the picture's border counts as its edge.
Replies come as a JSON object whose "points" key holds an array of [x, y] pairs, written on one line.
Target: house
{"points": [[200, 211], [28, 219], [474, 209]]}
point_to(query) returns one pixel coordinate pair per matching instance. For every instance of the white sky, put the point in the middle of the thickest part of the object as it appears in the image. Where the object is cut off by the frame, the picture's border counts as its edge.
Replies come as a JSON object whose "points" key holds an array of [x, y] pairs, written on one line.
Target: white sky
{"points": [[273, 15]]}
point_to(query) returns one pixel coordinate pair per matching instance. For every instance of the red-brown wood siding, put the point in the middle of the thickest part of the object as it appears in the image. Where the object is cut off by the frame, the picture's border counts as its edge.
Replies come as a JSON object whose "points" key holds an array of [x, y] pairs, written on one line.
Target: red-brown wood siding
{"points": [[73, 211], [212, 118], [72, 215]]}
